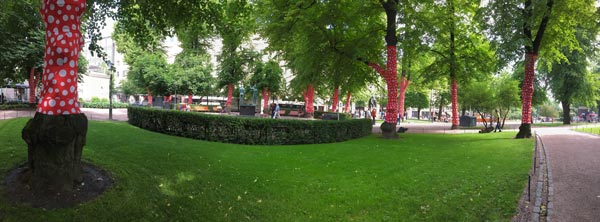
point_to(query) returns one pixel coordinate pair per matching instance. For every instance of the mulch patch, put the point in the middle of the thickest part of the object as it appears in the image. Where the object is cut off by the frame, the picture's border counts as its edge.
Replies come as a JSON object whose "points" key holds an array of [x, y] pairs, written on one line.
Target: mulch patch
{"points": [[95, 182]]}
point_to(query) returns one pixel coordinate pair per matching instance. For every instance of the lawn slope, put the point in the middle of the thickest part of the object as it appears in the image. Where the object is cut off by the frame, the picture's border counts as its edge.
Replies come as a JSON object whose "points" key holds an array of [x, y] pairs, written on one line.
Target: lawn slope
{"points": [[421, 177]]}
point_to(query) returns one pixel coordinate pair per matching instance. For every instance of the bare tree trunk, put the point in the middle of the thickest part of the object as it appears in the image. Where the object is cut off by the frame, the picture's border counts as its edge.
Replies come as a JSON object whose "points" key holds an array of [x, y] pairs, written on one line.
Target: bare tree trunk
{"points": [[566, 112]]}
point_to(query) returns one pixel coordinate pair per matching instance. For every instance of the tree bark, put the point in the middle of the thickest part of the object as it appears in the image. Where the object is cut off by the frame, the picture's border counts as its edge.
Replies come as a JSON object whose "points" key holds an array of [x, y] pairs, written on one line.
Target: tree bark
{"points": [[32, 86], [190, 99], [149, 97], [566, 112], [404, 82], [55, 144], [265, 96], [56, 135], [527, 96], [309, 97], [455, 122], [336, 99], [229, 97]]}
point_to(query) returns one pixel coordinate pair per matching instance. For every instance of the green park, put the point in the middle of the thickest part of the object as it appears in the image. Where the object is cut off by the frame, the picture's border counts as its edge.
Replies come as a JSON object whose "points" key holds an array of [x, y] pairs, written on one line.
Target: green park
{"points": [[299, 110]]}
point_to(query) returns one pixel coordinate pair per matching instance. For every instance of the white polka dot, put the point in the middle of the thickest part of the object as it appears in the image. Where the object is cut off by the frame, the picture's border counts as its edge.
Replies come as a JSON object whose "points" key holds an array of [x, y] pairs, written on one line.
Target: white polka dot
{"points": [[72, 89], [40, 110], [54, 81], [51, 62], [69, 80], [70, 101], [65, 17], [68, 7], [59, 111], [57, 22], [50, 90], [50, 113], [59, 12], [45, 112], [72, 63], [69, 34], [65, 28], [62, 73], [51, 75], [55, 30], [67, 49], [64, 92], [77, 9], [73, 26], [52, 103], [72, 73], [65, 113], [59, 50], [52, 7], [76, 104], [59, 62], [61, 83], [62, 103], [63, 42], [45, 104], [72, 110], [60, 37], [50, 19], [60, 3]]}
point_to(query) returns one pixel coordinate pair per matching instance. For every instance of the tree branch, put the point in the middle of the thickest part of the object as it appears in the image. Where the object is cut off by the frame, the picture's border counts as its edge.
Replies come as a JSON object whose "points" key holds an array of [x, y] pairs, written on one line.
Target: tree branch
{"points": [[540, 33], [439, 53]]}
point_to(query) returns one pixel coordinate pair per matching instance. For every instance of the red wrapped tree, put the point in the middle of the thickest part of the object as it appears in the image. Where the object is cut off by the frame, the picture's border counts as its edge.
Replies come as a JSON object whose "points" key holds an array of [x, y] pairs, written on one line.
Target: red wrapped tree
{"points": [[57, 133]]}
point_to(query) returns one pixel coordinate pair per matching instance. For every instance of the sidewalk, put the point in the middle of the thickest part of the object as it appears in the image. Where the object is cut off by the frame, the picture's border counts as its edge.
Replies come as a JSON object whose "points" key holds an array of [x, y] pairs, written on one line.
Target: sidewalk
{"points": [[574, 166]]}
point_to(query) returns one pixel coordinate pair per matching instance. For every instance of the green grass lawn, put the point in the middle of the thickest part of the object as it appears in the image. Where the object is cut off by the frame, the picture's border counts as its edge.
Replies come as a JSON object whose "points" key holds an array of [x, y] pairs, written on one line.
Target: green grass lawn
{"points": [[594, 130], [421, 177]]}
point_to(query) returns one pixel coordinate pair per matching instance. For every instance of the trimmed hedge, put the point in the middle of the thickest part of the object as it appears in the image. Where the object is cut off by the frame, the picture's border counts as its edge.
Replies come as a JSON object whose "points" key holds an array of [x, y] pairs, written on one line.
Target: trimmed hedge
{"points": [[104, 105], [12, 106], [343, 116], [247, 130]]}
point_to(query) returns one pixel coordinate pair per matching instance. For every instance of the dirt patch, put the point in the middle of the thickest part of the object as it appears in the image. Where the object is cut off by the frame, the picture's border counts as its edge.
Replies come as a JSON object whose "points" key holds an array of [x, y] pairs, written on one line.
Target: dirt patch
{"points": [[95, 182]]}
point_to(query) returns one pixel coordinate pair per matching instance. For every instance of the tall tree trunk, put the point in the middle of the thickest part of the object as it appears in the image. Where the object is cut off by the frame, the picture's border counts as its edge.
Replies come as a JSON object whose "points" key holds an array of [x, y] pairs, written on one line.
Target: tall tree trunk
{"points": [[229, 97], [455, 122], [566, 105], [309, 97], [419, 113], [439, 113], [388, 128], [190, 99], [336, 99], [56, 135], [348, 96], [32, 85], [265, 96], [527, 96], [149, 97]]}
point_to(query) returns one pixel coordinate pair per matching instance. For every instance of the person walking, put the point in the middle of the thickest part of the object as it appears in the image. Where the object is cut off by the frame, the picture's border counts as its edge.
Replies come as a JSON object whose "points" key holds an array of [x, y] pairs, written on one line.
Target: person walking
{"points": [[373, 115], [497, 122], [276, 111]]}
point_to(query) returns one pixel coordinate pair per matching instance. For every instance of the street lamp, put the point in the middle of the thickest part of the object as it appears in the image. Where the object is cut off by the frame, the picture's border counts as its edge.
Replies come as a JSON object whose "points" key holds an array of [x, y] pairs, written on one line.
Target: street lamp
{"points": [[110, 89]]}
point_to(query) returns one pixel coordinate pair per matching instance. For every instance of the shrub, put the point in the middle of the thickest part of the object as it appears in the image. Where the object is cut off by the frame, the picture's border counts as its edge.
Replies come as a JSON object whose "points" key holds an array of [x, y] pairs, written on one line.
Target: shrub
{"points": [[246, 130], [104, 105], [11, 106], [343, 116]]}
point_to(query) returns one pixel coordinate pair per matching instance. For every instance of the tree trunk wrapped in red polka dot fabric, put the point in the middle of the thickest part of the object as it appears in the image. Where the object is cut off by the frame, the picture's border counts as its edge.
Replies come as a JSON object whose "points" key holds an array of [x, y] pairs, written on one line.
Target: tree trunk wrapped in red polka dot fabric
{"points": [[57, 133], [63, 43]]}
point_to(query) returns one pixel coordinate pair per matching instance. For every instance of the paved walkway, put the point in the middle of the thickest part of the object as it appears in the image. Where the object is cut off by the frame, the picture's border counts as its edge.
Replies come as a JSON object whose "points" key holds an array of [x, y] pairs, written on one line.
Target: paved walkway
{"points": [[575, 174]]}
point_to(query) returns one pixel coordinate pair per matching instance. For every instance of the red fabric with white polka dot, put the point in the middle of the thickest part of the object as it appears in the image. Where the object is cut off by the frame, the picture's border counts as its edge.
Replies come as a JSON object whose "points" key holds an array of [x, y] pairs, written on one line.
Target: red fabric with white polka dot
{"points": [[63, 43]]}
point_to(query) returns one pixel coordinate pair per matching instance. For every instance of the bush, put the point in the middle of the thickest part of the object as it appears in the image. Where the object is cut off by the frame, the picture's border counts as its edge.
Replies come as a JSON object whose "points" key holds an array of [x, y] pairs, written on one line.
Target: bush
{"points": [[343, 116], [246, 130], [104, 105], [11, 106]]}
